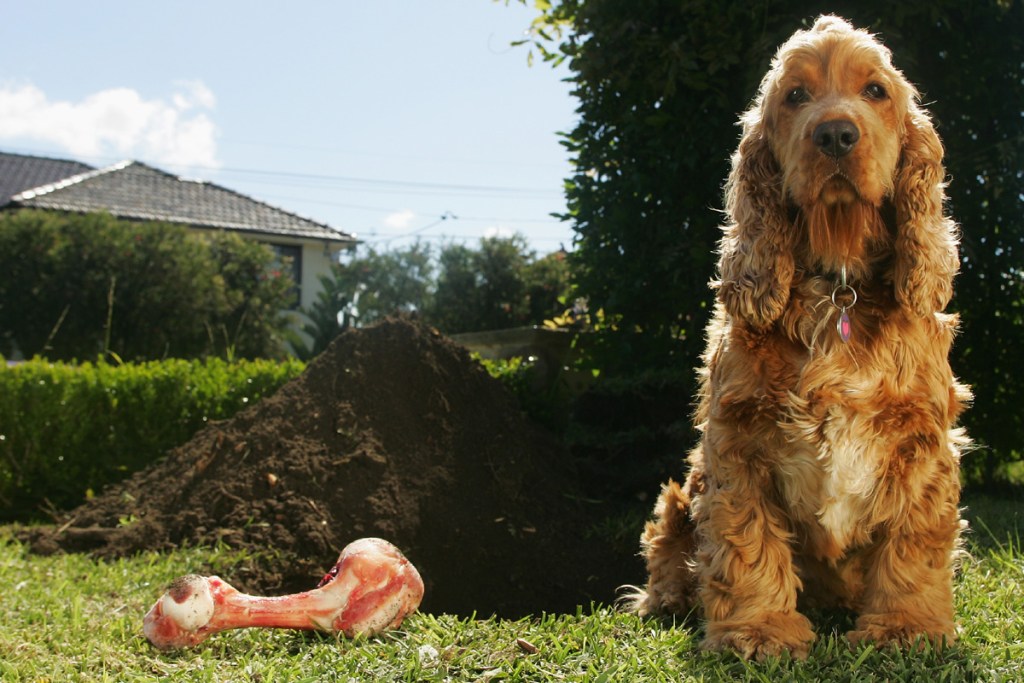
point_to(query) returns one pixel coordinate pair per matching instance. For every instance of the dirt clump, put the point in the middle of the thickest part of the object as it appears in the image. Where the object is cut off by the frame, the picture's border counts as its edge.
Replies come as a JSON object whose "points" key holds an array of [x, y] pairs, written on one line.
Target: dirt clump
{"points": [[393, 432]]}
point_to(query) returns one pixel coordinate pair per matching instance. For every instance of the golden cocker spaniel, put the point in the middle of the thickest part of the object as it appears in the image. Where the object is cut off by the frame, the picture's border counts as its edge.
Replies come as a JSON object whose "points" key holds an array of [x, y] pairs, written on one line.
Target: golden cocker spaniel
{"points": [[828, 462]]}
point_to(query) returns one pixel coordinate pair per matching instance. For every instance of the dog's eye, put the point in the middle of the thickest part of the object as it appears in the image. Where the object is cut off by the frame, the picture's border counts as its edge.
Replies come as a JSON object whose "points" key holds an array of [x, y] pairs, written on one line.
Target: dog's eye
{"points": [[875, 91], [797, 96]]}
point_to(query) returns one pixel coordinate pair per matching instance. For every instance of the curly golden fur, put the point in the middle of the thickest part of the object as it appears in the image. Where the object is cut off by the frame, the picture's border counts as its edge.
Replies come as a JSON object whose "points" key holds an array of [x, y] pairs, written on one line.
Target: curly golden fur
{"points": [[827, 469]]}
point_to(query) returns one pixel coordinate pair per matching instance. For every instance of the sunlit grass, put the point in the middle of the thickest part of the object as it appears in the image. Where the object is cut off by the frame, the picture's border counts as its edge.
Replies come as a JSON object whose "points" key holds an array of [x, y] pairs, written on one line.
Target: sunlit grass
{"points": [[74, 618]]}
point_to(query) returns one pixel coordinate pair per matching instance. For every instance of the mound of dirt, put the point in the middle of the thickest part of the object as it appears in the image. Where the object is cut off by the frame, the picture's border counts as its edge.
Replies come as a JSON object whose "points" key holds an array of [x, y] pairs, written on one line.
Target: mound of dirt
{"points": [[393, 432]]}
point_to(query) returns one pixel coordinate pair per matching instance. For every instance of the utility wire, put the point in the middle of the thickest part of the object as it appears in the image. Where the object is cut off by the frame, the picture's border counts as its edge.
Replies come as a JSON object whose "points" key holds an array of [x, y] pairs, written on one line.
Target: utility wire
{"points": [[391, 209], [447, 215], [325, 178], [385, 183]]}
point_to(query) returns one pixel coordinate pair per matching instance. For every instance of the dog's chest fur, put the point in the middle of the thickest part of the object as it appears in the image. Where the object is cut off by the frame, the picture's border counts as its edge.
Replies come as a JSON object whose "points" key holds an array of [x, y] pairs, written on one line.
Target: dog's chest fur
{"points": [[828, 470], [827, 478]]}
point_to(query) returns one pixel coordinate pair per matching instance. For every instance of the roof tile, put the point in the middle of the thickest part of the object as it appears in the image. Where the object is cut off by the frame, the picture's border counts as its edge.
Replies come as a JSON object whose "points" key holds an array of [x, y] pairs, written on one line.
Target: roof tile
{"points": [[134, 190], [19, 172]]}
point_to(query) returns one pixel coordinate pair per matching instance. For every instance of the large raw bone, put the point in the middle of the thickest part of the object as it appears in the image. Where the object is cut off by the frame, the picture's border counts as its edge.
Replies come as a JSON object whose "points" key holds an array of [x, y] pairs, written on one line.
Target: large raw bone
{"points": [[371, 589]]}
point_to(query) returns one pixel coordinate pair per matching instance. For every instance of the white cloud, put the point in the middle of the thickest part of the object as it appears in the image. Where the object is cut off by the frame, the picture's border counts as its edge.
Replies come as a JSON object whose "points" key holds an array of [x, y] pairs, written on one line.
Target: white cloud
{"points": [[400, 220], [117, 122], [193, 94], [499, 231]]}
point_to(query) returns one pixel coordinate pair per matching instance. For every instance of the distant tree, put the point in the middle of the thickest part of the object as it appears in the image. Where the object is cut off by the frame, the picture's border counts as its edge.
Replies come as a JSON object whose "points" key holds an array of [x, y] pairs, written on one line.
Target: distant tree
{"points": [[392, 281], [482, 289], [364, 288], [322, 320], [455, 303], [547, 282], [501, 284], [83, 286]]}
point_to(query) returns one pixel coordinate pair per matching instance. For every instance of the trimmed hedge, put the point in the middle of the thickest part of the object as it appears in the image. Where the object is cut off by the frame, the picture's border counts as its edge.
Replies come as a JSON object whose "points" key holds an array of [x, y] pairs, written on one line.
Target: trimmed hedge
{"points": [[68, 430]]}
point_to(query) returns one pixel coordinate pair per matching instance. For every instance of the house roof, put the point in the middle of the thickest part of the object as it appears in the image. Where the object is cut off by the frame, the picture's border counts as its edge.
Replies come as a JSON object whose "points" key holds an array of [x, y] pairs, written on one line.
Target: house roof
{"points": [[20, 172], [136, 191]]}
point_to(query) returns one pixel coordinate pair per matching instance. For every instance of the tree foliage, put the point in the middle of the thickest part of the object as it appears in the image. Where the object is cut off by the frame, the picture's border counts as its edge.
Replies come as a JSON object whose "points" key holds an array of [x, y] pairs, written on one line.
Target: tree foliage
{"points": [[85, 286], [499, 284], [365, 288], [502, 284], [660, 85], [250, 320]]}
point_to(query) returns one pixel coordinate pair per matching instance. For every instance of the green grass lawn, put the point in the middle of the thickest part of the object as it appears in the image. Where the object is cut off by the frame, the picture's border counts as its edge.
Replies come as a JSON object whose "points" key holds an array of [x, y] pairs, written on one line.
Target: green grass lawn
{"points": [[73, 618]]}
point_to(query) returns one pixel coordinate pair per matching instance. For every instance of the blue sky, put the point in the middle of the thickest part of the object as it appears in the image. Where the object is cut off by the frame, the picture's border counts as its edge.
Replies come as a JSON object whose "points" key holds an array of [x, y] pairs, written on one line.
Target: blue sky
{"points": [[378, 117]]}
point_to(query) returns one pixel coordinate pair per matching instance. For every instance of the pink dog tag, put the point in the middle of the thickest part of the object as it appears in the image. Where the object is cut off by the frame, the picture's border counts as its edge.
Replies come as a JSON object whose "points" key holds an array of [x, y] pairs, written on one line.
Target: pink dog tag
{"points": [[843, 326]]}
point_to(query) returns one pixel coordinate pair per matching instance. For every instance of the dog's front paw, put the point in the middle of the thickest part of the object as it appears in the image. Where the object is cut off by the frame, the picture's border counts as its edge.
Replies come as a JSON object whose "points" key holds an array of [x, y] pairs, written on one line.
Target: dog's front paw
{"points": [[768, 635], [902, 630]]}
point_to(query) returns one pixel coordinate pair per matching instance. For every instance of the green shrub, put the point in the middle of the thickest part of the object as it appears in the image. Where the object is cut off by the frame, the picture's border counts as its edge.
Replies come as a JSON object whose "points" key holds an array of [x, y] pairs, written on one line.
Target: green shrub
{"points": [[543, 400], [89, 286], [68, 430]]}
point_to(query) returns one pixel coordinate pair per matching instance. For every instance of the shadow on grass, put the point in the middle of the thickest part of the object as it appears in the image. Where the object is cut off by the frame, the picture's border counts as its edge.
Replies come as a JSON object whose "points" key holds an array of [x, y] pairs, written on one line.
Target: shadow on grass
{"points": [[994, 517]]}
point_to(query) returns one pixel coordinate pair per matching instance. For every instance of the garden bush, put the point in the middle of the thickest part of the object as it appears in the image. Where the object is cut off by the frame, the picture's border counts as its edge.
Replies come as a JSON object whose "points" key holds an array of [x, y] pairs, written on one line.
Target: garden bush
{"points": [[82, 287], [68, 430]]}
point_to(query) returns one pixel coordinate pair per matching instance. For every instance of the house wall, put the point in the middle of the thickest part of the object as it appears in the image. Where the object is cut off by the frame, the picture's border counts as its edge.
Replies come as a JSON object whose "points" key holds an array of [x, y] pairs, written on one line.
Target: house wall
{"points": [[308, 263], [316, 261]]}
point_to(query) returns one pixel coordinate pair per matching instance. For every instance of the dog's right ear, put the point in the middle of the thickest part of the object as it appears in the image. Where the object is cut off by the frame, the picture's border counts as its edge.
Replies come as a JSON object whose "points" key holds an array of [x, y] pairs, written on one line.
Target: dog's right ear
{"points": [[926, 241], [756, 261]]}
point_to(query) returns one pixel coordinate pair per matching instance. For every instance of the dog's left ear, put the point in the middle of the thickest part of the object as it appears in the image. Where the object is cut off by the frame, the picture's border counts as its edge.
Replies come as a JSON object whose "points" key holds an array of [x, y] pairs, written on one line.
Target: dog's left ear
{"points": [[926, 241], [756, 263]]}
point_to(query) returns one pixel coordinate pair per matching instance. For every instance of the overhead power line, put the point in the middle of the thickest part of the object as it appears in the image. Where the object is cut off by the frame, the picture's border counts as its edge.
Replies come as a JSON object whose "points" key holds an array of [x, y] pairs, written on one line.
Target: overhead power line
{"points": [[449, 190], [377, 182], [447, 215], [405, 185], [337, 151], [391, 209]]}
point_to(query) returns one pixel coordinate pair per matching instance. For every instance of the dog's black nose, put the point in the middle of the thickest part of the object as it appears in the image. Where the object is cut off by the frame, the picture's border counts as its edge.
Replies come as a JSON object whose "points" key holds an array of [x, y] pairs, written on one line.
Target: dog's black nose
{"points": [[836, 138]]}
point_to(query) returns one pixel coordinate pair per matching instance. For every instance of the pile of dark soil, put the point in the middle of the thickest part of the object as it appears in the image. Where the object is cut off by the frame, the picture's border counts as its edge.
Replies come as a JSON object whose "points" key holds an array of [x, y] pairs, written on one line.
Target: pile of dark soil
{"points": [[393, 432]]}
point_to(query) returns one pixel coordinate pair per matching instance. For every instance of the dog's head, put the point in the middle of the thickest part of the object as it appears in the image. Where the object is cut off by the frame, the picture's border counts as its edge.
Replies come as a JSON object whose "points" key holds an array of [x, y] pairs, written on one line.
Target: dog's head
{"points": [[834, 141], [834, 111]]}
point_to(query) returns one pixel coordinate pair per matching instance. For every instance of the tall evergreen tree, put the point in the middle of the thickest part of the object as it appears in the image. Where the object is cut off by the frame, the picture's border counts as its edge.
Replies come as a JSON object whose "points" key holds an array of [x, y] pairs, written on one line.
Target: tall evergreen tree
{"points": [[660, 85]]}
